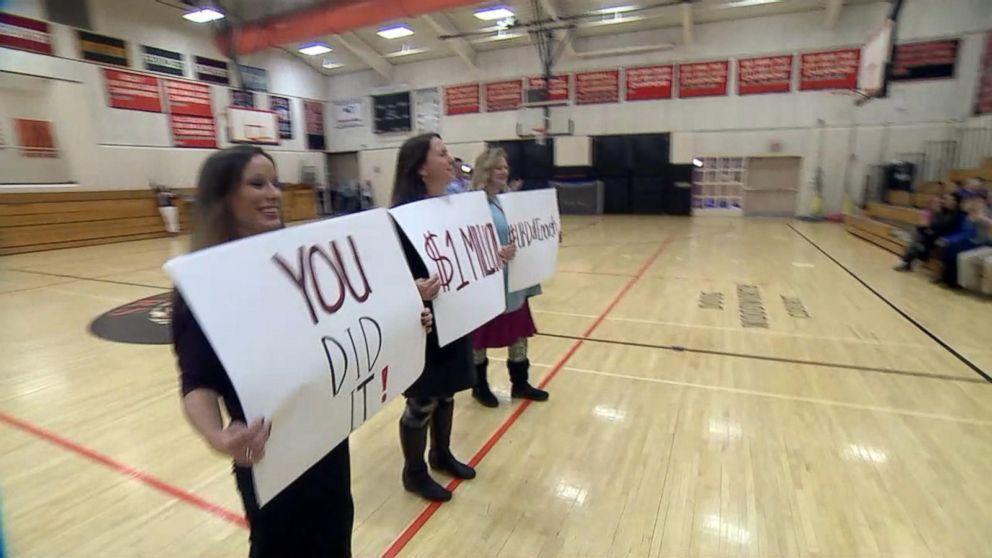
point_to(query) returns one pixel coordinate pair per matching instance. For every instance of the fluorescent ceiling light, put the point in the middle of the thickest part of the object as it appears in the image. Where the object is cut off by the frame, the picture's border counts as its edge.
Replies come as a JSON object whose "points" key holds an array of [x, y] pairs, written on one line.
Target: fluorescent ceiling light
{"points": [[615, 10], [494, 13], [203, 15], [330, 65], [395, 32], [314, 49], [746, 3], [610, 19]]}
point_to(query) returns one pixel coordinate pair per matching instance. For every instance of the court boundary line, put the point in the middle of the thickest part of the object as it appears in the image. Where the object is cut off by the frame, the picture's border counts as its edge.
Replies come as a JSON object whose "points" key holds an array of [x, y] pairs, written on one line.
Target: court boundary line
{"points": [[130, 472], [898, 310], [781, 360], [785, 397], [94, 279], [414, 527]]}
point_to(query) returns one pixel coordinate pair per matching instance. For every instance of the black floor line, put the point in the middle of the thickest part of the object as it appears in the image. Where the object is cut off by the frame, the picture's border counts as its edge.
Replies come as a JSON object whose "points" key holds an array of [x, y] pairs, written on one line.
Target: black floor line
{"points": [[78, 278], [909, 318], [680, 349]]}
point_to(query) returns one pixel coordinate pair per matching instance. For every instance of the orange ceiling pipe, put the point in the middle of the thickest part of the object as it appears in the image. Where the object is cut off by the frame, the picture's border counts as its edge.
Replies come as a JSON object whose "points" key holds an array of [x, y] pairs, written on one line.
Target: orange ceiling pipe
{"points": [[328, 19]]}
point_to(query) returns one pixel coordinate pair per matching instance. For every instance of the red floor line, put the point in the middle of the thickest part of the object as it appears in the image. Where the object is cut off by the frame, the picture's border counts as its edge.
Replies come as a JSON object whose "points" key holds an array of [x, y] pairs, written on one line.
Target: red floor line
{"points": [[126, 470], [418, 522]]}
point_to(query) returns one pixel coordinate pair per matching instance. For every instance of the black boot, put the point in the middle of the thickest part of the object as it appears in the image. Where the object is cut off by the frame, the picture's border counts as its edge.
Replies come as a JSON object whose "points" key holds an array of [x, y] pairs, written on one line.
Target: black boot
{"points": [[521, 387], [440, 456], [415, 476], [481, 391]]}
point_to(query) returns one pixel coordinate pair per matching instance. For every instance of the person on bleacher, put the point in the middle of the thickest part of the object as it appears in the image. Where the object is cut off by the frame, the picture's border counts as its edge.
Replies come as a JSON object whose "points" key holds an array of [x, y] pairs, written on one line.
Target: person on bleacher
{"points": [[976, 232], [937, 222]]}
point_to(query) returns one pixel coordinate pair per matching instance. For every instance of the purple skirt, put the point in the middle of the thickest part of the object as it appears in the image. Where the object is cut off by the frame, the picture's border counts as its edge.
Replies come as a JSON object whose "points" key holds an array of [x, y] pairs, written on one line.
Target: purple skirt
{"points": [[505, 329]]}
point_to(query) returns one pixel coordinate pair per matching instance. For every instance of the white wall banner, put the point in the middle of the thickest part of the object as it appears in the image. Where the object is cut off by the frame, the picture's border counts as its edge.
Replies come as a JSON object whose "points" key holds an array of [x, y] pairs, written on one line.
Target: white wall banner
{"points": [[349, 113], [318, 327], [428, 110], [456, 238], [535, 226]]}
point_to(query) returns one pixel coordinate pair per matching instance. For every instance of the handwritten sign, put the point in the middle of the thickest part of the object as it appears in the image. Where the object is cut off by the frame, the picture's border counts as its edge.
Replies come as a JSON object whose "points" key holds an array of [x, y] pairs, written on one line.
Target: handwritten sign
{"points": [[318, 327], [456, 239], [535, 226]]}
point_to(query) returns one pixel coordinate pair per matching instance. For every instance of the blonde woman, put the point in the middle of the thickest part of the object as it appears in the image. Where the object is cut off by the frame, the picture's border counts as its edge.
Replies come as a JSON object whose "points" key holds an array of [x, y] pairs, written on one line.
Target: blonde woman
{"points": [[511, 328]]}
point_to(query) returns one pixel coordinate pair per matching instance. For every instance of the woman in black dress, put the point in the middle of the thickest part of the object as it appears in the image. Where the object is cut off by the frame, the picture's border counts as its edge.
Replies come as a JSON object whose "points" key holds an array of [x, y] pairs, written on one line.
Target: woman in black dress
{"points": [[424, 169], [238, 196]]}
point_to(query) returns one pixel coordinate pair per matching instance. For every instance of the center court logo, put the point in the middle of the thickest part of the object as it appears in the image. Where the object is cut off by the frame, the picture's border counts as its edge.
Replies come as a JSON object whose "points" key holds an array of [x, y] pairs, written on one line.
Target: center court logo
{"points": [[144, 322]]}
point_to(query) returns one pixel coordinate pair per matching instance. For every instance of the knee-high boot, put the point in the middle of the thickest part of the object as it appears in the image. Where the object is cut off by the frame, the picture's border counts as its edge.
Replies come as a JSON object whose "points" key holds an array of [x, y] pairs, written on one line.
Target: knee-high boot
{"points": [[441, 457]]}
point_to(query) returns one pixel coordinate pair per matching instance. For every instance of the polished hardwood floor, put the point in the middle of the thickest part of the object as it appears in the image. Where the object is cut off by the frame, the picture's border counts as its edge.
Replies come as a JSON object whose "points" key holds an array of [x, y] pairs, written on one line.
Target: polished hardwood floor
{"points": [[719, 387]]}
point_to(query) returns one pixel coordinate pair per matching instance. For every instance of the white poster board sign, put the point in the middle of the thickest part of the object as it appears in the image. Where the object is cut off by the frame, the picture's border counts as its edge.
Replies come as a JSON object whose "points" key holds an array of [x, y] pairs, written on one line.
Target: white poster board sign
{"points": [[349, 114], [535, 226], [457, 241], [318, 327]]}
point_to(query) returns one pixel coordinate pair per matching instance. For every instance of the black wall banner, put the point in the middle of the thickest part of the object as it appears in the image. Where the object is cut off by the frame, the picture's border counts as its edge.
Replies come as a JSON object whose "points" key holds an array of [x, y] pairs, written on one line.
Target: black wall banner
{"points": [[103, 49], [210, 70], [392, 113], [925, 60], [163, 61]]}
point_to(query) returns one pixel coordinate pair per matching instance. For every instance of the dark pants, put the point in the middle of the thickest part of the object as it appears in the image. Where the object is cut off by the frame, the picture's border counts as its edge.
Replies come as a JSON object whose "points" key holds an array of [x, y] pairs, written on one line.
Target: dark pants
{"points": [[950, 259], [313, 516], [921, 247]]}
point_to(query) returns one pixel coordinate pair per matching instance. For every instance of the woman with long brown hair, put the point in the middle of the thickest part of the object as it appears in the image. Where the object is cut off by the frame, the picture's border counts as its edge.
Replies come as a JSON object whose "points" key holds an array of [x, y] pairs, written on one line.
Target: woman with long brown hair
{"points": [[238, 195], [424, 170], [511, 328]]}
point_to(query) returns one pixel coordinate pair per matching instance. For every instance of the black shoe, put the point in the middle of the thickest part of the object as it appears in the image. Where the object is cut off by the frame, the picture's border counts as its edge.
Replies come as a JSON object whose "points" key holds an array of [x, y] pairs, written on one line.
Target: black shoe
{"points": [[415, 476], [521, 388], [481, 391], [440, 456]]}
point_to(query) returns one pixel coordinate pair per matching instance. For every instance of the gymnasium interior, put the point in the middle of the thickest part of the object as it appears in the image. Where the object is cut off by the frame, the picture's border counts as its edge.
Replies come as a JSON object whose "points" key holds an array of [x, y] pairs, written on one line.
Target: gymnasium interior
{"points": [[736, 369]]}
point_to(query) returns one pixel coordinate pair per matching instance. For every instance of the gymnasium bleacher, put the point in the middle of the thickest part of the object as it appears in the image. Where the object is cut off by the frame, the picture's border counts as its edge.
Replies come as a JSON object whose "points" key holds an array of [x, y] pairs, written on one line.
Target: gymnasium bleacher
{"points": [[38, 221], [890, 225]]}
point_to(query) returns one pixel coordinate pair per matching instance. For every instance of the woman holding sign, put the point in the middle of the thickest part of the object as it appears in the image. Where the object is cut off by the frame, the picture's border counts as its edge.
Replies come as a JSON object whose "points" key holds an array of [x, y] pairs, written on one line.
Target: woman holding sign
{"points": [[424, 169], [238, 196], [511, 328]]}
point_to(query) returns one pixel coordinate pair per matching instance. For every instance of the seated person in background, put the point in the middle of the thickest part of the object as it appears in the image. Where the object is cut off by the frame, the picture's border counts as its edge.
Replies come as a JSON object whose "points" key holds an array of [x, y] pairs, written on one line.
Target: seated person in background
{"points": [[461, 182], [972, 185], [938, 221], [976, 231]]}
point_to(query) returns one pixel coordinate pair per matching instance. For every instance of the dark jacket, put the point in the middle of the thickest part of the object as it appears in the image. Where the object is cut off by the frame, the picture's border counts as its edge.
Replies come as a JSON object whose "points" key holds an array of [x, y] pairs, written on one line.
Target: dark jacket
{"points": [[447, 369]]}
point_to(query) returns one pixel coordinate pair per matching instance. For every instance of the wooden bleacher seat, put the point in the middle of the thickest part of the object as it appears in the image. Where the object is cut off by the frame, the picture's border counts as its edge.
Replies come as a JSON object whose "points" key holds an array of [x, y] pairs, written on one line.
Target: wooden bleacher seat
{"points": [[899, 197], [32, 222], [882, 234], [908, 217]]}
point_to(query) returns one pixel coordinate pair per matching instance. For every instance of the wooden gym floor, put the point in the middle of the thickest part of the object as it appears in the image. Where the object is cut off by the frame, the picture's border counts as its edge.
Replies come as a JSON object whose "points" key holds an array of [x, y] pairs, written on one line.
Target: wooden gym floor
{"points": [[672, 430]]}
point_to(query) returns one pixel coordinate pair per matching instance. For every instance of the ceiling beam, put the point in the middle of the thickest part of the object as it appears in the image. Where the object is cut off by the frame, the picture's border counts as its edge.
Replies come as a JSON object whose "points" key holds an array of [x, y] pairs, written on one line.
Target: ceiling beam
{"points": [[833, 13], [687, 29], [367, 54], [554, 13], [443, 26]]}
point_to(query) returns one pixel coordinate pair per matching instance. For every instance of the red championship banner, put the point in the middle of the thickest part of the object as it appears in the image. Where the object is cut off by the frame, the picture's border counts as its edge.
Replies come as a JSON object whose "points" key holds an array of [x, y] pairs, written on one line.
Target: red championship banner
{"points": [[703, 79], [925, 60], [128, 90], [24, 34], [504, 95], [192, 131], [983, 101], [768, 74], [834, 69], [462, 99], [189, 98], [649, 82], [597, 87], [558, 89]]}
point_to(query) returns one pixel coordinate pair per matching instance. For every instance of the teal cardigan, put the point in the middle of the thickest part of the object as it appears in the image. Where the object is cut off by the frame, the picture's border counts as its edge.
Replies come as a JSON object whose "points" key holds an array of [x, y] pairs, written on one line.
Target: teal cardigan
{"points": [[516, 299]]}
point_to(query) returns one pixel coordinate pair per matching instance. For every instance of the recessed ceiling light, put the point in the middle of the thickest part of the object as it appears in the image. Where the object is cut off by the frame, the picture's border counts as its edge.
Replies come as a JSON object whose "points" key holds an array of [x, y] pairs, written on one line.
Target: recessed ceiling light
{"points": [[203, 15], [494, 13], [330, 65], [615, 10], [314, 49], [395, 32]]}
